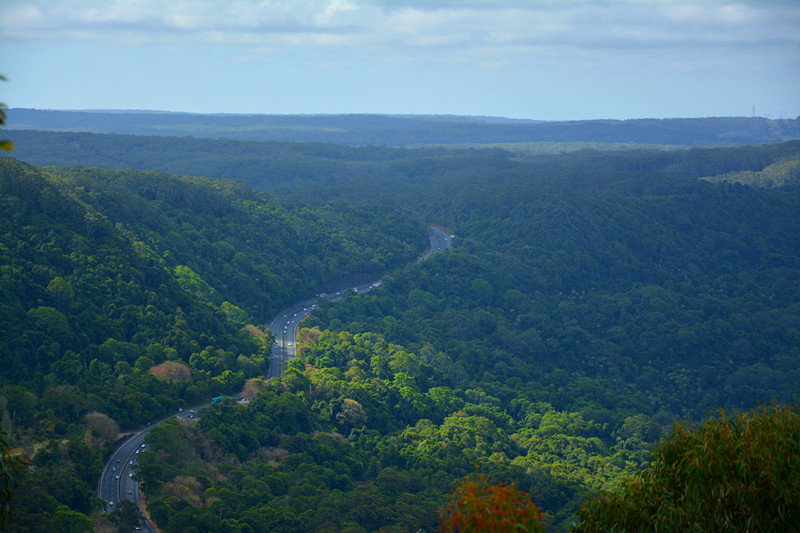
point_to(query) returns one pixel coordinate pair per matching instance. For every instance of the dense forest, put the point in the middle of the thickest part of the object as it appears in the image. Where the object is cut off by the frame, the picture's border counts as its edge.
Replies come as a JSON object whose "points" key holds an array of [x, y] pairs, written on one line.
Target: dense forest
{"points": [[323, 172], [590, 300]]}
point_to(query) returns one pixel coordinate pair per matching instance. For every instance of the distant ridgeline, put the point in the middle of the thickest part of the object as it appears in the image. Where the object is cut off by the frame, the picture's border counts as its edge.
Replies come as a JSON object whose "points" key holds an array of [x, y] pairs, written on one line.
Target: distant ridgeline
{"points": [[411, 130], [289, 167]]}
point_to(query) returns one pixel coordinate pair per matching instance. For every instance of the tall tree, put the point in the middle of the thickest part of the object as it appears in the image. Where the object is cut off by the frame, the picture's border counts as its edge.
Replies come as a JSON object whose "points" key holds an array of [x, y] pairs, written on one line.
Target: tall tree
{"points": [[480, 504], [730, 473], [11, 467], [5, 144]]}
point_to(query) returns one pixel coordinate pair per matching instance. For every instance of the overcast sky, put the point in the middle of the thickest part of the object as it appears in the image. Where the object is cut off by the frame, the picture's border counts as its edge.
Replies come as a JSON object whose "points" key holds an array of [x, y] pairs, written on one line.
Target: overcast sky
{"points": [[537, 59]]}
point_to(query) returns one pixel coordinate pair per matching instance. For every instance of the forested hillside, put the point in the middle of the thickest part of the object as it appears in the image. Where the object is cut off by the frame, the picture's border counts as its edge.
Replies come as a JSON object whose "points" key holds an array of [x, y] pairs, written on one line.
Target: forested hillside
{"points": [[590, 300], [126, 295]]}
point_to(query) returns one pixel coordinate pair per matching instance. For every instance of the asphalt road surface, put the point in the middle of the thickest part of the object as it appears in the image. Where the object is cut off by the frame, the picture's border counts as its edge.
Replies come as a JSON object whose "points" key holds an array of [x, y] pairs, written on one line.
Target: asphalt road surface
{"points": [[117, 482], [440, 241], [284, 328]]}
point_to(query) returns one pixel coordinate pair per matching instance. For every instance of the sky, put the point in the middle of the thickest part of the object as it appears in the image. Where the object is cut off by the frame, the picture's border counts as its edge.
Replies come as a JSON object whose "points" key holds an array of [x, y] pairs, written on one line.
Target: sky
{"points": [[536, 59]]}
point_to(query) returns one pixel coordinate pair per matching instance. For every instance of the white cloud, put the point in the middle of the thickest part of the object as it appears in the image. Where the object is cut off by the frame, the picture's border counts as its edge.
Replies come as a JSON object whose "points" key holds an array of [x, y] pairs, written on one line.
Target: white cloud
{"points": [[492, 33]]}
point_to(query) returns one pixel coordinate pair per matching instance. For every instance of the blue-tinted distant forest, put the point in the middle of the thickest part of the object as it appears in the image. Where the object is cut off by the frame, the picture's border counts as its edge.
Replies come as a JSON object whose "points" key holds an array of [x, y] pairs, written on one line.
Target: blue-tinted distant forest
{"points": [[411, 130]]}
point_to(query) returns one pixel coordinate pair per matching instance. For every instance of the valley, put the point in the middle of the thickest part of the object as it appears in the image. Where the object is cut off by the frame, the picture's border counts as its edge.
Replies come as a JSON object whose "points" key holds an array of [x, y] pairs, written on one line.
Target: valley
{"points": [[592, 300]]}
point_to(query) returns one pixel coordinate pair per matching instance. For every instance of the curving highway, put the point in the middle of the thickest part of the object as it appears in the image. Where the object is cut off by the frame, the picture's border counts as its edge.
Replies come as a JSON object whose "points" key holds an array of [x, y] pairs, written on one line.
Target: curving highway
{"points": [[440, 241], [117, 481], [284, 326]]}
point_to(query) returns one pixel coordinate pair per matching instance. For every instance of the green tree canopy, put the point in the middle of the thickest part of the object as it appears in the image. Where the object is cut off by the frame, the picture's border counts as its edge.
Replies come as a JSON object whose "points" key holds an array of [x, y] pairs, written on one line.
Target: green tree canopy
{"points": [[735, 472]]}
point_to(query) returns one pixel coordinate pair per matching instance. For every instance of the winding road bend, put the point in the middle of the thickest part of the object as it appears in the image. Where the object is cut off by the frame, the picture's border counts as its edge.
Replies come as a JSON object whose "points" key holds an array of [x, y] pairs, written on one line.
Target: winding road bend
{"points": [[117, 481]]}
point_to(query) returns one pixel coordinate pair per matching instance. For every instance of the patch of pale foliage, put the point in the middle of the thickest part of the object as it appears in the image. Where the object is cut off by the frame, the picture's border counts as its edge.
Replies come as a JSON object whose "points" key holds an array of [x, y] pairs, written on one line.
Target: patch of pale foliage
{"points": [[186, 488], [171, 370]]}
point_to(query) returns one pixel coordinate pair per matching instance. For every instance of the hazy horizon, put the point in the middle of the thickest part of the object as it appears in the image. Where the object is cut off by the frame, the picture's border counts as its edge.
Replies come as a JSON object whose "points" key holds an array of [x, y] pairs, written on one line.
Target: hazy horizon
{"points": [[535, 60], [401, 115]]}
